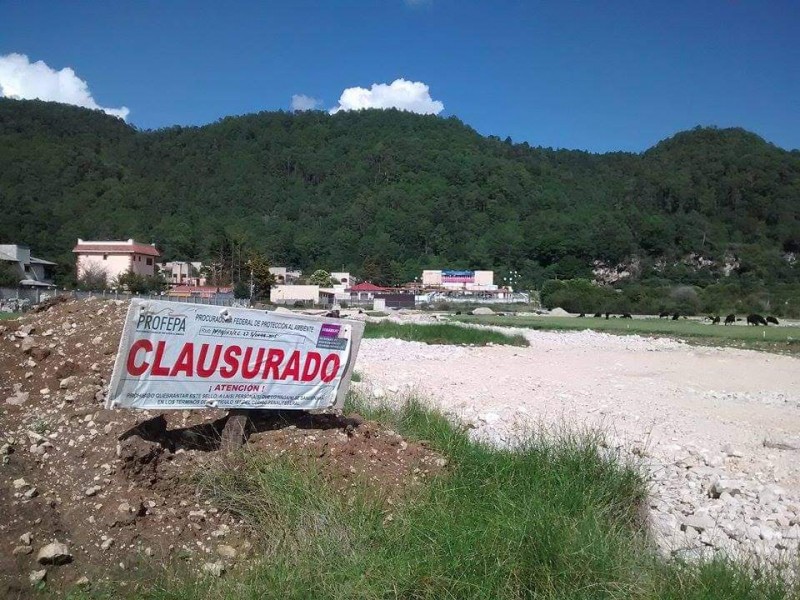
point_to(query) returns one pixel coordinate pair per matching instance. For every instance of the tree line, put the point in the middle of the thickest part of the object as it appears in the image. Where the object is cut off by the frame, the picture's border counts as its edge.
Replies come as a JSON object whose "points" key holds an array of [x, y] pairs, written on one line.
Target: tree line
{"points": [[385, 194]]}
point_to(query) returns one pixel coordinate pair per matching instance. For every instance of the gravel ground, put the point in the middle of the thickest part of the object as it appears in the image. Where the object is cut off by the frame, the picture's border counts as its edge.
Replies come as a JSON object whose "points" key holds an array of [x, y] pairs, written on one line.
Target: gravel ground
{"points": [[718, 429]]}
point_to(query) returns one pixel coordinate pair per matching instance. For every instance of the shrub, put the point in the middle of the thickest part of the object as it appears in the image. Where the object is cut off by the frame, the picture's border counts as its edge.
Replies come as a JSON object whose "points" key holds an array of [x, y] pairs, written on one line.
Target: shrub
{"points": [[93, 278], [577, 295]]}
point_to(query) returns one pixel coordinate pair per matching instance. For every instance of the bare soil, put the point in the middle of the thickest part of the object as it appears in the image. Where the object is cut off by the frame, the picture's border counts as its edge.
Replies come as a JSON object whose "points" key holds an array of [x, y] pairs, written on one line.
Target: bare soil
{"points": [[118, 487]]}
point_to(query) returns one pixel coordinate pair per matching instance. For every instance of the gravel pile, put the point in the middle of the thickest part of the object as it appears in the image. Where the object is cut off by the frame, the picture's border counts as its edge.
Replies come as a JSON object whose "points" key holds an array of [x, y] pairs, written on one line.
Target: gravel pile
{"points": [[717, 430]]}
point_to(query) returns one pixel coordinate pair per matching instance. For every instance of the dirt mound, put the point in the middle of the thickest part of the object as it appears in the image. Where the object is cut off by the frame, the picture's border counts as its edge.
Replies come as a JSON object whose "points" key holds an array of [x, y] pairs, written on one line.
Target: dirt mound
{"points": [[117, 487]]}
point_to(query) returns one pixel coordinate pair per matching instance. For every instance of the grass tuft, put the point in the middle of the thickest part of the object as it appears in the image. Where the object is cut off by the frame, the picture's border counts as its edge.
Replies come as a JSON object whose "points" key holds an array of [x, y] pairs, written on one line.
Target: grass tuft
{"points": [[556, 517], [442, 334]]}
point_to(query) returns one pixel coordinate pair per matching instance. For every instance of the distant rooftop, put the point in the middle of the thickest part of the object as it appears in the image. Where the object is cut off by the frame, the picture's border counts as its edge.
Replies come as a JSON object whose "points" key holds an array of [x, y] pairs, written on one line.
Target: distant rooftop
{"points": [[366, 287], [114, 247]]}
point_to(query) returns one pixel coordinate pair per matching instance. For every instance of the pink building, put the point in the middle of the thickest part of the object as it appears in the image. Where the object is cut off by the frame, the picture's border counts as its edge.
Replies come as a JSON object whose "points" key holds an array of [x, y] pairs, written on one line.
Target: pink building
{"points": [[115, 258]]}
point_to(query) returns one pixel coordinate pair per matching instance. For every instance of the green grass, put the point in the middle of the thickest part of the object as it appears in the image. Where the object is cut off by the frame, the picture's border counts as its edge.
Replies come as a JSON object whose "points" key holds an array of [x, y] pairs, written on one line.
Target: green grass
{"points": [[7, 315], [774, 339], [554, 518], [441, 333]]}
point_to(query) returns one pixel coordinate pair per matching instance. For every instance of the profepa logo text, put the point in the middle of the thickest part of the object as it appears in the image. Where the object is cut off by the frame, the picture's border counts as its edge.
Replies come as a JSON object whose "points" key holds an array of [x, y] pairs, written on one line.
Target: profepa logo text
{"points": [[172, 324]]}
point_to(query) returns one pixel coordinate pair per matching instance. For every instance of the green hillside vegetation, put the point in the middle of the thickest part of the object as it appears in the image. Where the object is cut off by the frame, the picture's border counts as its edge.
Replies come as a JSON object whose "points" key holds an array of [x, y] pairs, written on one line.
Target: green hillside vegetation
{"points": [[387, 193]]}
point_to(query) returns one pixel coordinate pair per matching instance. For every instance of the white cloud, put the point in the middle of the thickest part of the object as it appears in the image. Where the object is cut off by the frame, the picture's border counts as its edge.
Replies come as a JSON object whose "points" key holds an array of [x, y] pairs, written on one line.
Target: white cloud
{"points": [[22, 79], [413, 96], [303, 102]]}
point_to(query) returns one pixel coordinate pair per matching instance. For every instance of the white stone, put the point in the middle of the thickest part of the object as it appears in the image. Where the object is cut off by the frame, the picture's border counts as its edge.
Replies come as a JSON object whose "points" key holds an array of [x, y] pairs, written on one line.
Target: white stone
{"points": [[699, 522], [55, 553], [730, 450], [226, 551], [489, 417], [37, 576], [719, 486], [215, 569]]}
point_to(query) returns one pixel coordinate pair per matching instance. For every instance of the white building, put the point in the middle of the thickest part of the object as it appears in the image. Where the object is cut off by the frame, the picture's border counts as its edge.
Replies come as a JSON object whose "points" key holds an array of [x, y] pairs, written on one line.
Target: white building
{"points": [[289, 294], [284, 275], [459, 280], [343, 278], [184, 273], [115, 258]]}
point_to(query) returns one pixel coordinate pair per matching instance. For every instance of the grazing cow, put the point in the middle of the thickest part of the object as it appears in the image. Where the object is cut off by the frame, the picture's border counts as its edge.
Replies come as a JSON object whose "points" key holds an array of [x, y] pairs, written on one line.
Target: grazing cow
{"points": [[333, 314], [663, 315], [608, 315], [598, 315], [715, 320], [626, 316], [580, 316], [731, 318], [755, 319], [458, 312], [773, 320], [676, 316]]}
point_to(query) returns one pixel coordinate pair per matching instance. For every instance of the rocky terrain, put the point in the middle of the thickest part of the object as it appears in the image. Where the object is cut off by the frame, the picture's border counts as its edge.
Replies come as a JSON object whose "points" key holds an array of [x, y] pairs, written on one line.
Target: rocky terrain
{"points": [[89, 494], [718, 430]]}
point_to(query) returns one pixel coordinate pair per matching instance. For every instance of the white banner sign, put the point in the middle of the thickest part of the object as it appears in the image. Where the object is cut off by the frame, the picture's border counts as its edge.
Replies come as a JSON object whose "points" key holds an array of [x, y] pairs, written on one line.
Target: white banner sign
{"points": [[182, 356]]}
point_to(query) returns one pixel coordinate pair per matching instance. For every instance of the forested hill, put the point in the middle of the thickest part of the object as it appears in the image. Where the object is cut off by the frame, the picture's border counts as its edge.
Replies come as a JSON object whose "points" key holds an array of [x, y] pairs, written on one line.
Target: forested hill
{"points": [[399, 192]]}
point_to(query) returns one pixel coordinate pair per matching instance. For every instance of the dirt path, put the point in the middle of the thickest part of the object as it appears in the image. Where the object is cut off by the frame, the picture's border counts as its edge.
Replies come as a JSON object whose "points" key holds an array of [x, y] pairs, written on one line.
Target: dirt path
{"points": [[700, 415]]}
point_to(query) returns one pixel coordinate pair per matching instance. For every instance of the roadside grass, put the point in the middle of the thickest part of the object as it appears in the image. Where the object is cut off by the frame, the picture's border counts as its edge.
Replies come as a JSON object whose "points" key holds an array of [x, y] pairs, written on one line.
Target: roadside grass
{"points": [[8, 315], [783, 339], [441, 333], [553, 518]]}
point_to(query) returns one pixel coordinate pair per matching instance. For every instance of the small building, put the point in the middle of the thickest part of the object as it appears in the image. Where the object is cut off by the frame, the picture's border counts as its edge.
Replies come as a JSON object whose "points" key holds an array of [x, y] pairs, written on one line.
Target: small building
{"points": [[396, 300], [200, 291], [365, 292], [459, 279], [32, 271], [183, 273], [290, 294], [115, 258], [341, 277], [284, 275]]}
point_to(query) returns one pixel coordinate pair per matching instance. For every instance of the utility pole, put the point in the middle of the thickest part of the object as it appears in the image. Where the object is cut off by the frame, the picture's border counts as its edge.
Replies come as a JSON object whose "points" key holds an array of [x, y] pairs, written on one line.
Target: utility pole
{"points": [[252, 286]]}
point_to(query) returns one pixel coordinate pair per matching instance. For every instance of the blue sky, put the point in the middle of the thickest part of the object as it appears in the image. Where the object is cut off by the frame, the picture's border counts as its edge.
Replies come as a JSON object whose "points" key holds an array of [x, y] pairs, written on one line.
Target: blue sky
{"points": [[596, 76]]}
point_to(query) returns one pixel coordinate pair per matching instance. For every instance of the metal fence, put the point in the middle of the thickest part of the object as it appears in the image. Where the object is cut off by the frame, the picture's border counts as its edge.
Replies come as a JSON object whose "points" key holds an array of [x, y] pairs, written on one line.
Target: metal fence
{"points": [[216, 300], [20, 299]]}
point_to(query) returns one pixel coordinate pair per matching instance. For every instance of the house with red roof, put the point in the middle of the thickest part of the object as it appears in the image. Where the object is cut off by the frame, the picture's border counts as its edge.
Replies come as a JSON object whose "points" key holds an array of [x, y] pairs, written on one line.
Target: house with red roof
{"points": [[115, 258], [365, 291]]}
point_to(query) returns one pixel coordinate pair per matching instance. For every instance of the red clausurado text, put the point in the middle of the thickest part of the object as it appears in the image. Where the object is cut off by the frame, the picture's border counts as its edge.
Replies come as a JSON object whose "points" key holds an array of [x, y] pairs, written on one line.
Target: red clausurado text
{"points": [[231, 362]]}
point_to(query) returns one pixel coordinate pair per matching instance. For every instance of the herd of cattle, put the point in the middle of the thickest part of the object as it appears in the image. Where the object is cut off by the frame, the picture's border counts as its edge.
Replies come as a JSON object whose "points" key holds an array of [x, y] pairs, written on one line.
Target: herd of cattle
{"points": [[752, 319]]}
